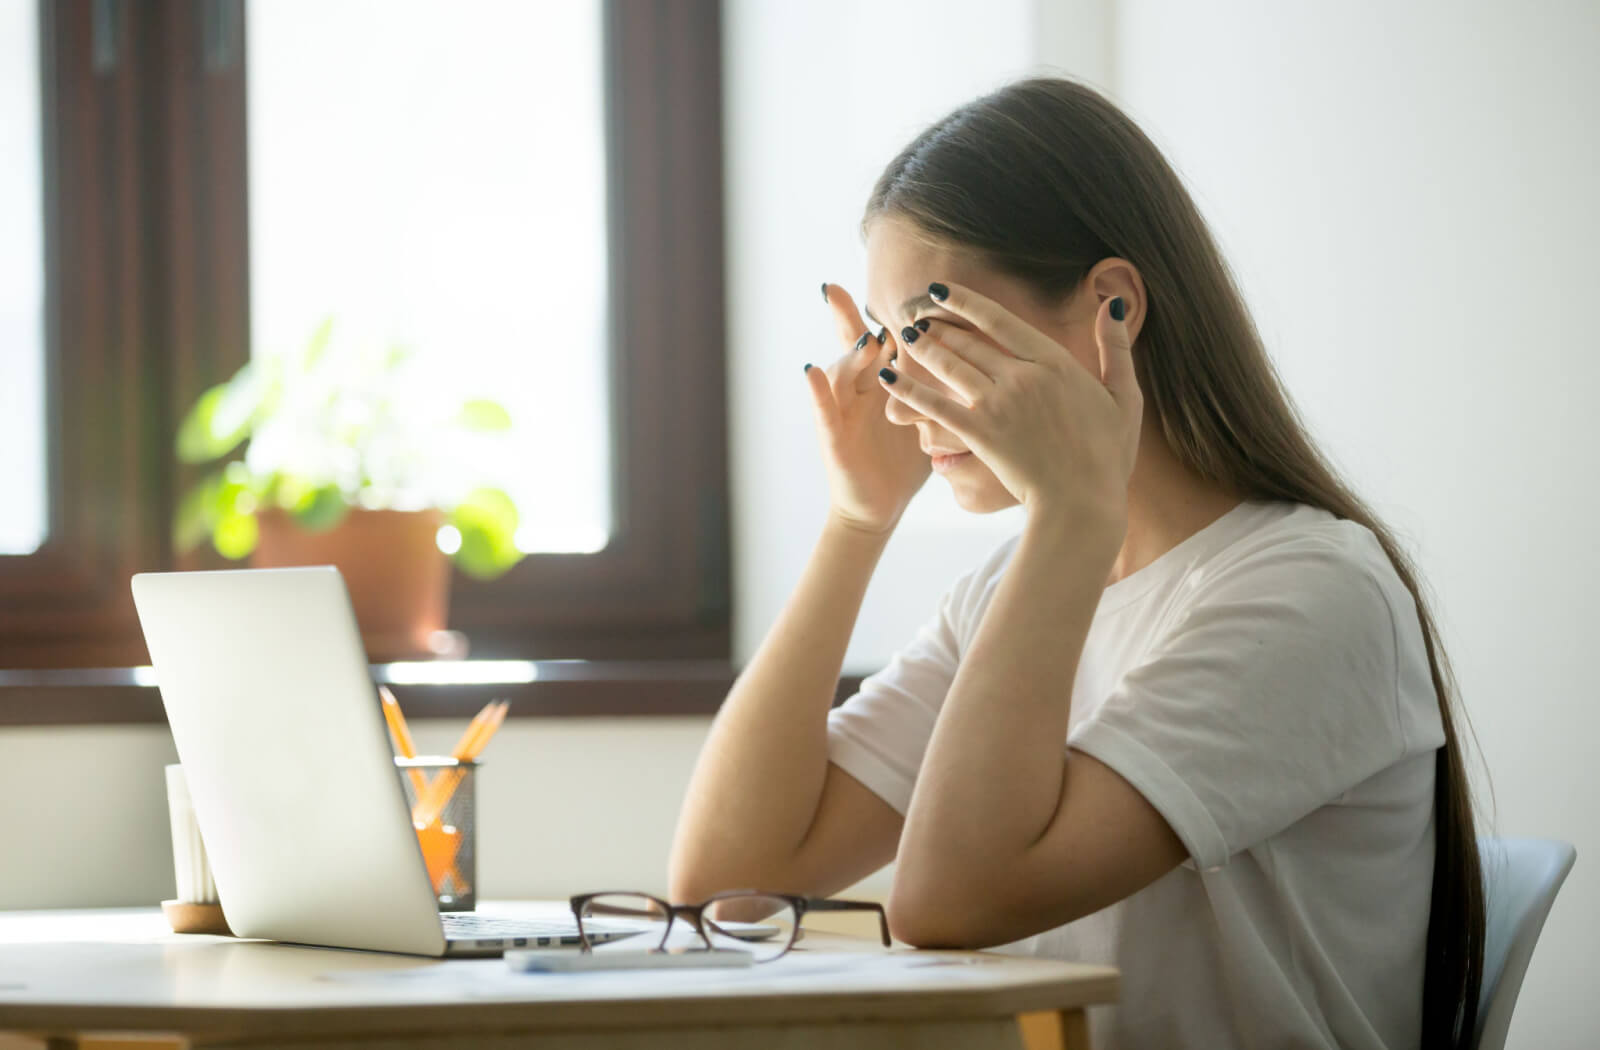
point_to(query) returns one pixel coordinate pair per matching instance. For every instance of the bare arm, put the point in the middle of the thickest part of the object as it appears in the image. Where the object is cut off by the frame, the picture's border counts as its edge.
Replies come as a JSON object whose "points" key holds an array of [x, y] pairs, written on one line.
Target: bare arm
{"points": [[765, 809], [999, 796]]}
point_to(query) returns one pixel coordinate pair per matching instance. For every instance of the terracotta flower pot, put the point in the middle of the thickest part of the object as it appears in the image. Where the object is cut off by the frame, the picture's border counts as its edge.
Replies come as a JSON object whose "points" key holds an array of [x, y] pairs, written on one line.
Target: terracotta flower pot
{"points": [[399, 580]]}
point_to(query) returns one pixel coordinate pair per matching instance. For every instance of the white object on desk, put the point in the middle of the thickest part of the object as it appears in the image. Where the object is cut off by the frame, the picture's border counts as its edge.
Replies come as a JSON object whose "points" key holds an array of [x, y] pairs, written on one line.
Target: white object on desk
{"points": [[193, 870], [536, 961]]}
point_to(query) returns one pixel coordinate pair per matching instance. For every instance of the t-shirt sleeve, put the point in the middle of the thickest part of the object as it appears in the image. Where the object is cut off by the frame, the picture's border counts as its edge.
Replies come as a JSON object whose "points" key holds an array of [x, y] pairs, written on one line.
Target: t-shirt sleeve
{"points": [[1275, 694], [880, 735]]}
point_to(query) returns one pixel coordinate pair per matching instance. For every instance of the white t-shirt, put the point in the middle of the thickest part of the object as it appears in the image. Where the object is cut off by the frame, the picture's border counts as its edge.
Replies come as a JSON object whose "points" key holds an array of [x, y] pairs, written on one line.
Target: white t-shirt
{"points": [[1265, 686]]}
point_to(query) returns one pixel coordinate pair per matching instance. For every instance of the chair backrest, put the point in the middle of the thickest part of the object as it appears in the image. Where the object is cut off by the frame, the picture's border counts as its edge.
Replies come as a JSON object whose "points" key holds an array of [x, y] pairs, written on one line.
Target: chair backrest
{"points": [[1520, 877]]}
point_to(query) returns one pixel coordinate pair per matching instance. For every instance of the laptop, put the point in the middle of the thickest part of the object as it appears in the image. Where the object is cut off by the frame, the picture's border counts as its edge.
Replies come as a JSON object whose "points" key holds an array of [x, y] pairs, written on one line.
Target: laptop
{"points": [[281, 734]]}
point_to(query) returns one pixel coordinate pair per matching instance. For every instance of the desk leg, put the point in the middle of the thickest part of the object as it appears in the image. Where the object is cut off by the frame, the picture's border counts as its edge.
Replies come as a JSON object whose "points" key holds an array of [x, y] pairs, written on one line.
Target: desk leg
{"points": [[1074, 1030], [1054, 1030]]}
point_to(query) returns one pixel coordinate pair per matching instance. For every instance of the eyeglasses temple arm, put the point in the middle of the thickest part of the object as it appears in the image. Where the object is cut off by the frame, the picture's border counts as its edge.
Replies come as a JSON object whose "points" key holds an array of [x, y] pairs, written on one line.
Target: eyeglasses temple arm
{"points": [[829, 904]]}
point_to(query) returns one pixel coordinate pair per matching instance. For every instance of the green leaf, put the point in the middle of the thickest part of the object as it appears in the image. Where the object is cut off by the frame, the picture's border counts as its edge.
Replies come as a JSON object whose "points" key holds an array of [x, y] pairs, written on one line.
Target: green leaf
{"points": [[483, 414], [196, 443], [321, 509], [487, 520], [312, 355], [196, 514], [222, 417], [235, 535]]}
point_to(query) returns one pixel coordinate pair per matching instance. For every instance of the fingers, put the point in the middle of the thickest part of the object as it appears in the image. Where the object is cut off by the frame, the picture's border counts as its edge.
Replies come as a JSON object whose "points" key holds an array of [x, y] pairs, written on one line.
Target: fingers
{"points": [[847, 320], [861, 345], [1116, 350], [989, 317], [929, 350], [926, 401], [822, 398], [988, 359]]}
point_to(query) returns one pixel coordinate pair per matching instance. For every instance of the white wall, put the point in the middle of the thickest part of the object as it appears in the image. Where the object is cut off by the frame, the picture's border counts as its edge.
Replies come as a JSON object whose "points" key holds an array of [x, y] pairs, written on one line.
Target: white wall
{"points": [[1408, 192], [806, 140]]}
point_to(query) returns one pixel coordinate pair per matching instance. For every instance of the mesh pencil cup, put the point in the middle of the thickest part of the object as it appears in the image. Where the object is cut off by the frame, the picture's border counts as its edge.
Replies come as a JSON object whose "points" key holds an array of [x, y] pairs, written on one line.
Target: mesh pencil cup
{"points": [[441, 794]]}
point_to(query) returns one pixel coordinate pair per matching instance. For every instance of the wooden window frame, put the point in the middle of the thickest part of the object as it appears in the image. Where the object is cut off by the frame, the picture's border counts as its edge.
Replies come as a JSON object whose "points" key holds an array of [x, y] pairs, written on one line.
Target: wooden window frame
{"points": [[146, 232]]}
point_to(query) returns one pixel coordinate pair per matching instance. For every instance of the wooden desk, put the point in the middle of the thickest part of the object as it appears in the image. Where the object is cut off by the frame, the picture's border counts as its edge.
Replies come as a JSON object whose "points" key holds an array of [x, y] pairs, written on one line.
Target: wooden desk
{"points": [[64, 975]]}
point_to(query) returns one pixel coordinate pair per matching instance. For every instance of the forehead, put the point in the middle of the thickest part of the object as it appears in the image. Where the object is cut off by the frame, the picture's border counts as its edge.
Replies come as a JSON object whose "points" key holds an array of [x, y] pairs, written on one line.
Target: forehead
{"points": [[901, 262]]}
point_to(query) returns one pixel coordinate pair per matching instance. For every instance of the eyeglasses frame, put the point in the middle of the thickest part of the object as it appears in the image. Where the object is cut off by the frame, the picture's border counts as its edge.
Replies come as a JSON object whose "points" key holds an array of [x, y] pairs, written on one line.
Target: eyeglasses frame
{"points": [[695, 915]]}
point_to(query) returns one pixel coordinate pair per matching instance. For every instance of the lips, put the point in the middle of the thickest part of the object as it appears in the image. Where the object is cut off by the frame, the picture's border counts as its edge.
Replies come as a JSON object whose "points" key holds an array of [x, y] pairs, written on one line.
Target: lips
{"points": [[943, 461]]}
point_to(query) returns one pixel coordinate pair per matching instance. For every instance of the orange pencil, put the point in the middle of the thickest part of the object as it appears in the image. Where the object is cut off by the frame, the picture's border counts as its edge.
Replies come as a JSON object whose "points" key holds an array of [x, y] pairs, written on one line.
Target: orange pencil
{"points": [[488, 729], [473, 728], [471, 744], [402, 735]]}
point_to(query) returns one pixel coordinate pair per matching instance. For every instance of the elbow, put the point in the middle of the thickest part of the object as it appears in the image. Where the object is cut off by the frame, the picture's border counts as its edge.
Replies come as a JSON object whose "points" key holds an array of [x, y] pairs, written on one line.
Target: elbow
{"points": [[690, 879], [689, 873], [928, 914]]}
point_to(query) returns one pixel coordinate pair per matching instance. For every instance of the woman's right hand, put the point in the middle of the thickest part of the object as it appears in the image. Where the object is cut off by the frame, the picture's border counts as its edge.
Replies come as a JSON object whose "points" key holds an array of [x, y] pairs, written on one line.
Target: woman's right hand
{"points": [[874, 466]]}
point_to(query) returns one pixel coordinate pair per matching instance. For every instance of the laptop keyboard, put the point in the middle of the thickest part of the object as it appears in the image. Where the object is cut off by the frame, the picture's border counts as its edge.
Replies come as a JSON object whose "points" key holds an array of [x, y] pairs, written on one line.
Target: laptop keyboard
{"points": [[471, 926], [466, 924]]}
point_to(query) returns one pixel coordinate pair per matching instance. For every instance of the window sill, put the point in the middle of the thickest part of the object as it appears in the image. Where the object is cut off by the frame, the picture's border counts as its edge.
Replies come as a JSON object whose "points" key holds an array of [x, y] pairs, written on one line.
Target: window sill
{"points": [[440, 689]]}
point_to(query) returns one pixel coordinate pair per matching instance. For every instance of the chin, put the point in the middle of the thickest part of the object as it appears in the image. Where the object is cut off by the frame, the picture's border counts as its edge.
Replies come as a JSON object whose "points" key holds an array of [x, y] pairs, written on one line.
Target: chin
{"points": [[984, 499]]}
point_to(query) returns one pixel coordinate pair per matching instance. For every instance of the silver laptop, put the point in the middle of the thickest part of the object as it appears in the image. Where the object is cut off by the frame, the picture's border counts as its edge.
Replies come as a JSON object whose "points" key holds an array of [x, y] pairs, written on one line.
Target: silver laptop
{"points": [[287, 756]]}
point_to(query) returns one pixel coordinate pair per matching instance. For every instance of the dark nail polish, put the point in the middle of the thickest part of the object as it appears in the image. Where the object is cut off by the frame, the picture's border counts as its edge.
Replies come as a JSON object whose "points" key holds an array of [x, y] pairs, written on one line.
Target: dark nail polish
{"points": [[883, 336], [808, 366], [1118, 310], [865, 338], [909, 334], [824, 291], [921, 325], [938, 292], [887, 375]]}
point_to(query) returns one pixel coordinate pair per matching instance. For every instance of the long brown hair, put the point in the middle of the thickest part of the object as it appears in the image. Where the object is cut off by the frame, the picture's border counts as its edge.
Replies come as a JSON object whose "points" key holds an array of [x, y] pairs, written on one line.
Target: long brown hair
{"points": [[1045, 178]]}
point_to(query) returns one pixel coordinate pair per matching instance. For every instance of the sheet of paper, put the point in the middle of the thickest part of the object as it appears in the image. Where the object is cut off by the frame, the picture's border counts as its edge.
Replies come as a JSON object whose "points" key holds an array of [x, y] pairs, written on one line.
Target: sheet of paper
{"points": [[797, 971]]}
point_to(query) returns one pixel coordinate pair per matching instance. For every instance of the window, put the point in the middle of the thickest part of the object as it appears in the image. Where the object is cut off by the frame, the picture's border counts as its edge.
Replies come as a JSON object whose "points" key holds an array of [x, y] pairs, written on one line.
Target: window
{"points": [[23, 520], [158, 282], [433, 176]]}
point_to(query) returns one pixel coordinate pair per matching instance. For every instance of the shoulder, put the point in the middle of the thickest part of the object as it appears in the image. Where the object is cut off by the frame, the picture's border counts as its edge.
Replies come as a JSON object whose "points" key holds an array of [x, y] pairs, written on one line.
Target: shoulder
{"points": [[1307, 559], [1323, 594], [1306, 593]]}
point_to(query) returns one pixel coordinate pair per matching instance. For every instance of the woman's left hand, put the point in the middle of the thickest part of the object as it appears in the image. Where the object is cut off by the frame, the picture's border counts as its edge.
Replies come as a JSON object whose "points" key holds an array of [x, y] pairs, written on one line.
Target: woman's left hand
{"points": [[1061, 439]]}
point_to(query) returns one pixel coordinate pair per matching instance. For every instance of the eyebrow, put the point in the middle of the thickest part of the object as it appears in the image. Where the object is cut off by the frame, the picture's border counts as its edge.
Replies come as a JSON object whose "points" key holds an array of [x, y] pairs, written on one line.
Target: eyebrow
{"points": [[911, 306]]}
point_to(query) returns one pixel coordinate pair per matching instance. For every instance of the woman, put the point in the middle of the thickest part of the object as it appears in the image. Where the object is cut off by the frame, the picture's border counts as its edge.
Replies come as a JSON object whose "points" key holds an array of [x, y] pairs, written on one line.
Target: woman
{"points": [[1194, 720]]}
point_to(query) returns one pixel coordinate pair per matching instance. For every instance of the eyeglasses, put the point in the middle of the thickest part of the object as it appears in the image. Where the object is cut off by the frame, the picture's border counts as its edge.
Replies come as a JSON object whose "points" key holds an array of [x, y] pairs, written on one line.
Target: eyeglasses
{"points": [[766, 925]]}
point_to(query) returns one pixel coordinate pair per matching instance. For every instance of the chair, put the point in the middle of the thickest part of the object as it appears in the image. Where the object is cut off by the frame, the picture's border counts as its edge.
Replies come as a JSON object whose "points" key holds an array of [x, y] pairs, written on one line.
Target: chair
{"points": [[1520, 880]]}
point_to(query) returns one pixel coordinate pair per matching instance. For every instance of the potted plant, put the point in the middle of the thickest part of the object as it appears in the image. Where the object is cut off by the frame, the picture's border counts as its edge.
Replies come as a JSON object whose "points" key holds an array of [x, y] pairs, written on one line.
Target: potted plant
{"points": [[349, 455]]}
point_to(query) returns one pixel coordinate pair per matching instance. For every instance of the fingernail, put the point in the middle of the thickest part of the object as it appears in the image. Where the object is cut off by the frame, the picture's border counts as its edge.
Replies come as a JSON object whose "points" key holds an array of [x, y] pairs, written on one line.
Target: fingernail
{"points": [[909, 334], [887, 375], [883, 336], [938, 292], [1118, 311], [808, 366], [865, 336], [921, 324], [824, 291]]}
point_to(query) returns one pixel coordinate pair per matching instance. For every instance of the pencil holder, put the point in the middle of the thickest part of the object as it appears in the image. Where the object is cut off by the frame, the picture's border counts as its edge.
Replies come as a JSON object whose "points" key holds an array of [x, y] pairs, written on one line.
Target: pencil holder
{"points": [[441, 794]]}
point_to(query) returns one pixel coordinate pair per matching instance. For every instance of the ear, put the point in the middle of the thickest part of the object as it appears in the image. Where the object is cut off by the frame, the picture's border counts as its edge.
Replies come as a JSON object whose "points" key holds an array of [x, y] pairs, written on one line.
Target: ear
{"points": [[1113, 277]]}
